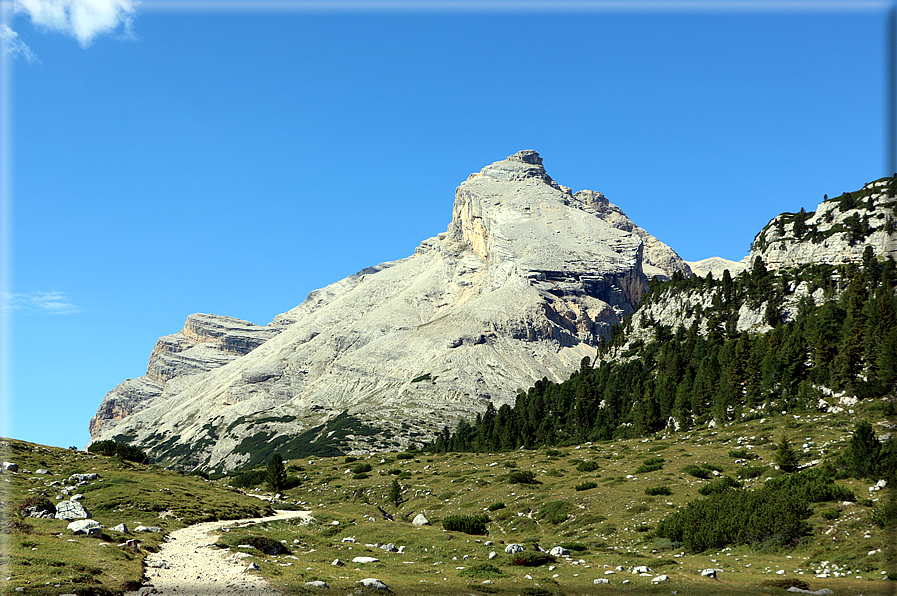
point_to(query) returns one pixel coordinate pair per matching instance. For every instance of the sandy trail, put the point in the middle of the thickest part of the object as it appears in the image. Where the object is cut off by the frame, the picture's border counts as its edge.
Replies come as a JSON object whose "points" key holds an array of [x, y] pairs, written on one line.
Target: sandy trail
{"points": [[188, 563]]}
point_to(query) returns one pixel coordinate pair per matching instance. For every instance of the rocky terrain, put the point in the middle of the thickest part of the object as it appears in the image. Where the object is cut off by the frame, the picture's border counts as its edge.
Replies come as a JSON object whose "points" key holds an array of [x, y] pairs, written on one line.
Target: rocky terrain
{"points": [[837, 232], [525, 282]]}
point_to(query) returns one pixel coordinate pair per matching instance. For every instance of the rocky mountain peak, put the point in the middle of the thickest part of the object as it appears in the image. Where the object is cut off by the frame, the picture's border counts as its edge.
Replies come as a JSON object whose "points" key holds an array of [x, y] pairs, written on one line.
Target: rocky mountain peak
{"points": [[525, 282]]}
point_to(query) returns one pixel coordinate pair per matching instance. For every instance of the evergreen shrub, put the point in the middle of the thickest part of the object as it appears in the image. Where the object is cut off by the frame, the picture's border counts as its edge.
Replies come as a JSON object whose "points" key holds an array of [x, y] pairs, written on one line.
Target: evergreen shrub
{"points": [[587, 466], [658, 490], [522, 477], [650, 465], [475, 525], [718, 486], [586, 485], [531, 559]]}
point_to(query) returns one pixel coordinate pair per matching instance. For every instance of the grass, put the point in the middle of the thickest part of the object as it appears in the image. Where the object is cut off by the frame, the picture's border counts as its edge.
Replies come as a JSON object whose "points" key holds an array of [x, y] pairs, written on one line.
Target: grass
{"points": [[610, 524]]}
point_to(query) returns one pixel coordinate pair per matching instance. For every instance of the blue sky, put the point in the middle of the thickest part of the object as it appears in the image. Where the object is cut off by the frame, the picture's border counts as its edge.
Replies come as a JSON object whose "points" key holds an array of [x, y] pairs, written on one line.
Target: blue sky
{"points": [[166, 158]]}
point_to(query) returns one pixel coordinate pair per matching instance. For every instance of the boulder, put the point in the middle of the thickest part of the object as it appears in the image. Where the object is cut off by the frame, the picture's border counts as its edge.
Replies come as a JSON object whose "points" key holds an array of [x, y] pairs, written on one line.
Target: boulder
{"points": [[70, 510], [492, 555], [8, 466], [821, 591], [420, 520], [75, 478], [337, 563], [317, 584], [559, 551], [41, 471], [153, 529], [642, 569], [514, 548], [660, 578], [600, 580], [711, 573], [365, 560], [121, 528], [390, 548], [371, 582], [86, 526]]}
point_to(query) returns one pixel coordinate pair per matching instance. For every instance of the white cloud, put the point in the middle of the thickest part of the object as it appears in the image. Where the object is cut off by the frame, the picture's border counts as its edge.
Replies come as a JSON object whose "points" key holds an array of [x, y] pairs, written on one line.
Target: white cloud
{"points": [[14, 46], [51, 303], [82, 19]]}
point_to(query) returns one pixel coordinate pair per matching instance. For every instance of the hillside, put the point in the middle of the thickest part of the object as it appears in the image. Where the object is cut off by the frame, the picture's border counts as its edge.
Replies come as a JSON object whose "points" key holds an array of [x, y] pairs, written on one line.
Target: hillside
{"points": [[602, 501]]}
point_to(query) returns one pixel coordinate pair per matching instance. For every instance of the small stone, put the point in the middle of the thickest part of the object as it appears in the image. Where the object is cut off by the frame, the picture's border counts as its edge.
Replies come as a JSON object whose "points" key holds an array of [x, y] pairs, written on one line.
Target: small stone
{"points": [[371, 582], [365, 560], [600, 580], [317, 584], [420, 520]]}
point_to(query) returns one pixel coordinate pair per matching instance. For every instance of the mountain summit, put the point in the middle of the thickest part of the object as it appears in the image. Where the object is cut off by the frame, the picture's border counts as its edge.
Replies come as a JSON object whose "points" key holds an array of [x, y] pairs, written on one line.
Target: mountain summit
{"points": [[524, 283]]}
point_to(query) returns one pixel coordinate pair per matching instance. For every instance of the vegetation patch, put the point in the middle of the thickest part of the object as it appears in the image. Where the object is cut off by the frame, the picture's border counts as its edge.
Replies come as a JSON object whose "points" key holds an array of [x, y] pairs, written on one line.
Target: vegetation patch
{"points": [[475, 525]]}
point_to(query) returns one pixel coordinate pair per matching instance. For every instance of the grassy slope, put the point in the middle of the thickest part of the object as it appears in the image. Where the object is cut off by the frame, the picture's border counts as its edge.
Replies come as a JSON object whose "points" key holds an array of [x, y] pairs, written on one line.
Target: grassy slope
{"points": [[45, 554], [612, 521]]}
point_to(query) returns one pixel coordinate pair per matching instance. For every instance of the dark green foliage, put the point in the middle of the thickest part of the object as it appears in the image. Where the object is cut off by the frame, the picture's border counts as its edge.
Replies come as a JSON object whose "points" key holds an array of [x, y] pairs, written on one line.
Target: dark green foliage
{"points": [[774, 514], [349, 459], [555, 512], [531, 559], [423, 377], [786, 456], [831, 514], [276, 473], [576, 547], [752, 471], [404, 456], [586, 485], [846, 343], [122, 450], [658, 490], [650, 465], [395, 493], [587, 466], [496, 506], [326, 440], [475, 525], [718, 486], [522, 477], [360, 468], [742, 454], [248, 479], [269, 546], [697, 471], [864, 451]]}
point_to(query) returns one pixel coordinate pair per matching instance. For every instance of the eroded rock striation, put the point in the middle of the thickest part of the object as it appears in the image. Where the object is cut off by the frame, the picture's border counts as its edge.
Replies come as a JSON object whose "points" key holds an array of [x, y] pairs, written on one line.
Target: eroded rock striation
{"points": [[524, 283]]}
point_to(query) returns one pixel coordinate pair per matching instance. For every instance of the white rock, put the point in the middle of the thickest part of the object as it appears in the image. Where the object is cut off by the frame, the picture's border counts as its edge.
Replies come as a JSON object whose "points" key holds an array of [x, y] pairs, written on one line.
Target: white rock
{"points": [[600, 580], [370, 582], [420, 520], [365, 560], [514, 548]]}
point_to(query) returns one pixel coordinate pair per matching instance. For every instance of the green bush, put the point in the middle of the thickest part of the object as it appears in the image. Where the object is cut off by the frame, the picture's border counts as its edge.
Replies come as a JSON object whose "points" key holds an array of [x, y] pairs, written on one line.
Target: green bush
{"points": [[522, 477], [395, 472], [752, 471], [576, 547], [885, 516], [122, 450], [475, 525], [496, 506], [718, 486], [831, 514], [742, 454], [405, 456], [587, 466], [658, 490], [697, 472], [481, 571], [531, 559], [360, 468], [349, 459], [650, 465], [40, 502], [360, 476], [774, 514], [248, 479], [586, 486]]}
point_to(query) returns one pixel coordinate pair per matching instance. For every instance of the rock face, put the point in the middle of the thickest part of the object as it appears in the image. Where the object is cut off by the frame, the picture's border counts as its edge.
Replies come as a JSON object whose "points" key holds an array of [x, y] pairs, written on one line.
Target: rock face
{"points": [[838, 232], [206, 342], [716, 266], [524, 283]]}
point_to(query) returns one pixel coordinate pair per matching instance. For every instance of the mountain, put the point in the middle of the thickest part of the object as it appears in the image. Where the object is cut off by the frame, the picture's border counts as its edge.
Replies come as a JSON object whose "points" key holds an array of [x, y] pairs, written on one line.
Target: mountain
{"points": [[527, 280]]}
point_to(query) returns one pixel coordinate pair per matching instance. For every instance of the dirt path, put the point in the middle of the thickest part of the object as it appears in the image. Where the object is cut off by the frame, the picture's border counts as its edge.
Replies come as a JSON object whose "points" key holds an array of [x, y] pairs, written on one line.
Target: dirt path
{"points": [[188, 564]]}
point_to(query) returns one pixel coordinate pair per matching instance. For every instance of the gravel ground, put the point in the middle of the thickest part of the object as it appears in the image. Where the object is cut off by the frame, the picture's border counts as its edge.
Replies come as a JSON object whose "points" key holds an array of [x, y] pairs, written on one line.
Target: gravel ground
{"points": [[189, 564]]}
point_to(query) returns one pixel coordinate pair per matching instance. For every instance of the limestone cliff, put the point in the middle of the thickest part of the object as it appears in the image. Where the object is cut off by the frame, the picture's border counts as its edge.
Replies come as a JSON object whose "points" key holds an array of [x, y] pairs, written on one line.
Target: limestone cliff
{"points": [[837, 232], [527, 279]]}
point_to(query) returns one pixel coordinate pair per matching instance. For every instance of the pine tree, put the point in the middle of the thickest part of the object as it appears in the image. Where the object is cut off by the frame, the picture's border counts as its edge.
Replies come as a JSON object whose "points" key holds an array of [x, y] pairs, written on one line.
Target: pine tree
{"points": [[395, 493], [786, 456], [276, 473], [864, 451]]}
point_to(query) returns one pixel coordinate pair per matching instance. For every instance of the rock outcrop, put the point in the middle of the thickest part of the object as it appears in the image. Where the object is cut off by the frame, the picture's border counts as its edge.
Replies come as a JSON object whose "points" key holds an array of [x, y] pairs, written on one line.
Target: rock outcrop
{"points": [[524, 283], [716, 266], [838, 232]]}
